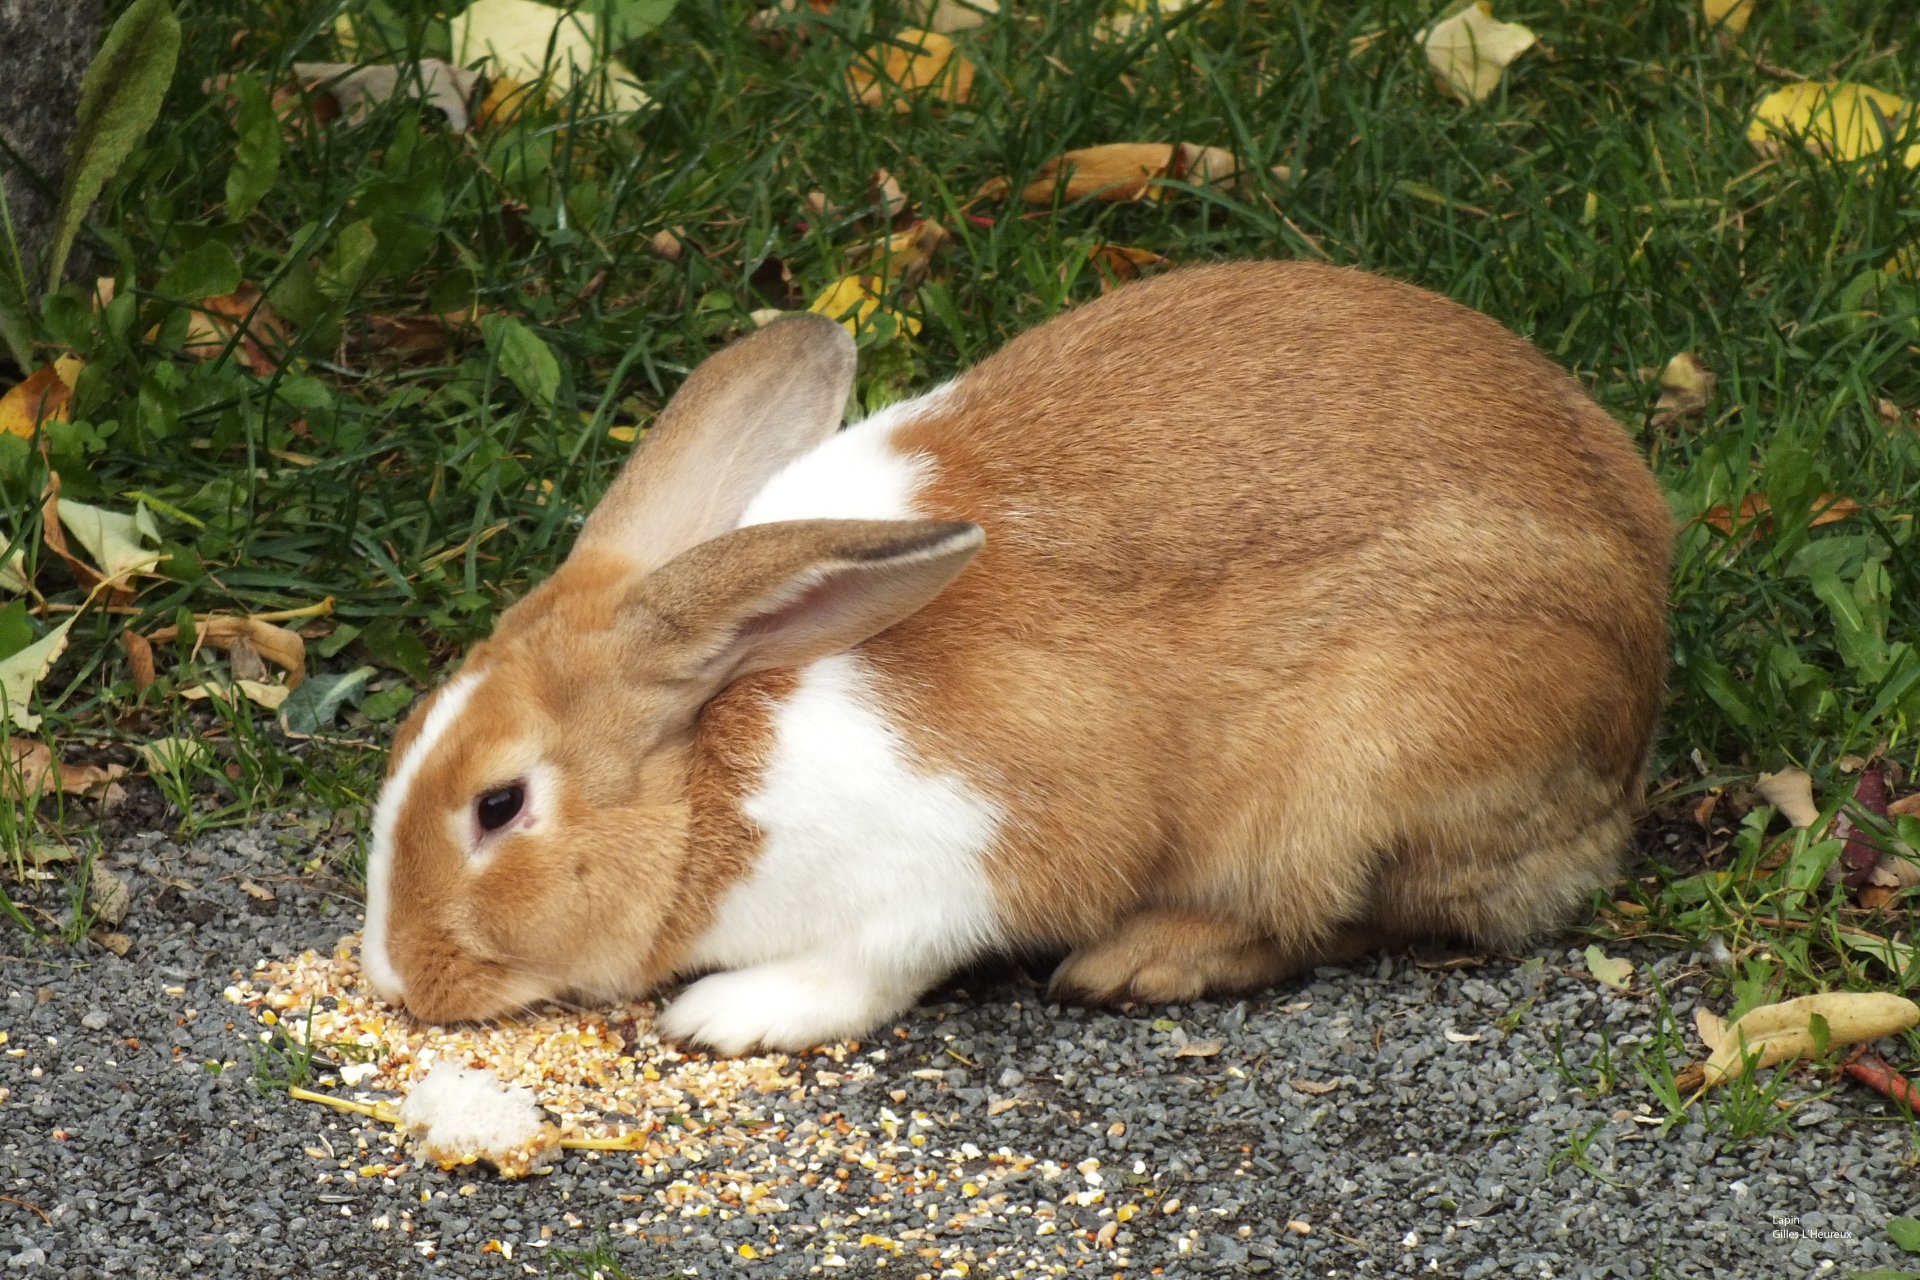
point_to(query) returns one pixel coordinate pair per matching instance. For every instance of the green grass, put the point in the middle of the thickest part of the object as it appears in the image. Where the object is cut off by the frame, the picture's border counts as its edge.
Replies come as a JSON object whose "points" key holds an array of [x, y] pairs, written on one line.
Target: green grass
{"points": [[1604, 202]]}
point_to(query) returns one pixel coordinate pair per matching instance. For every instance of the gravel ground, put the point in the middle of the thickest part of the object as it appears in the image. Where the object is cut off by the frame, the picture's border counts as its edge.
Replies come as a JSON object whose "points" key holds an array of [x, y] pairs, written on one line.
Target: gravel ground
{"points": [[1378, 1120]]}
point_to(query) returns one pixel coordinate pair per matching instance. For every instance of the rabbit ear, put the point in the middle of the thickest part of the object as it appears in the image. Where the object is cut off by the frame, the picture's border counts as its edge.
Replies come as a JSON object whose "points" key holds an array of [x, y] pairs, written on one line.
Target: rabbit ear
{"points": [[784, 594], [740, 417]]}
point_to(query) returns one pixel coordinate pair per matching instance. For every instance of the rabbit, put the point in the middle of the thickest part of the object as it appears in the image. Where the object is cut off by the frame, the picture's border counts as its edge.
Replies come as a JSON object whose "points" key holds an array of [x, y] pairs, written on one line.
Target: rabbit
{"points": [[1247, 619]]}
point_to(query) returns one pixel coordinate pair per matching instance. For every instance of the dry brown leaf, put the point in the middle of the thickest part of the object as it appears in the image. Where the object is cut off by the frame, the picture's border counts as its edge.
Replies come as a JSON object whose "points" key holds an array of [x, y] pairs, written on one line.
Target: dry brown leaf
{"points": [[33, 771], [269, 696], [276, 644], [904, 256], [1791, 792], [357, 90], [1199, 1049], [1686, 385], [1828, 508], [1777, 1033], [1315, 1087], [44, 396], [883, 189], [139, 659], [213, 323], [1119, 263], [913, 63], [1905, 807], [1118, 171]]}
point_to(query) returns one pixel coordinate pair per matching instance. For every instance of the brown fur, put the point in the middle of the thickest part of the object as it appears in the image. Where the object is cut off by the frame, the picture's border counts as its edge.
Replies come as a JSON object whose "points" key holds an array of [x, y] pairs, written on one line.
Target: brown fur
{"points": [[1355, 605], [1315, 611]]}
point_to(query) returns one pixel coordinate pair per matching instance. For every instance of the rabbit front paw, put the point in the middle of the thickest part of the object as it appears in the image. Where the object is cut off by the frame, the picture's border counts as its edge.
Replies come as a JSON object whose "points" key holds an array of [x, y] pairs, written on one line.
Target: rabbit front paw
{"points": [[788, 1006]]}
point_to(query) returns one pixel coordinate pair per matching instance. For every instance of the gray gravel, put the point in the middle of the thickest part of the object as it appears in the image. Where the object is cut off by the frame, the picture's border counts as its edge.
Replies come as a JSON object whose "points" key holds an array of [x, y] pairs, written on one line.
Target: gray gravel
{"points": [[1369, 1121]]}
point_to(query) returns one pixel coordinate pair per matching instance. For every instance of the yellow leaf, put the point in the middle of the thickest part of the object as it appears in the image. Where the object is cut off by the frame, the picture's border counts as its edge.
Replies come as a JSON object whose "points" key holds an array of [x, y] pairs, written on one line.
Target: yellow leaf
{"points": [[116, 541], [1611, 970], [1126, 171], [1791, 792], [855, 301], [277, 645], [260, 692], [44, 396], [1841, 121], [1130, 15], [531, 42], [914, 62], [1775, 1033], [172, 755], [34, 772], [949, 16], [1731, 16], [11, 579], [20, 673], [1470, 50]]}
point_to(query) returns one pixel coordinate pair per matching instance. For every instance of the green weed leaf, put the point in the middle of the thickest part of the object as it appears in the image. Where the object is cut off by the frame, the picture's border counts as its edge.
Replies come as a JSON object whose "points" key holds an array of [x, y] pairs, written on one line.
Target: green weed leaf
{"points": [[311, 708], [16, 633], [524, 358], [624, 21], [206, 272], [119, 100], [256, 155], [1905, 1232]]}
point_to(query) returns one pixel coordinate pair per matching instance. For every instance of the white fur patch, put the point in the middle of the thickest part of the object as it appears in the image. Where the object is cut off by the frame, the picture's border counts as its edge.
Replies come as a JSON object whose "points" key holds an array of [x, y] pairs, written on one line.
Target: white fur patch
{"points": [[870, 885], [853, 475], [374, 958]]}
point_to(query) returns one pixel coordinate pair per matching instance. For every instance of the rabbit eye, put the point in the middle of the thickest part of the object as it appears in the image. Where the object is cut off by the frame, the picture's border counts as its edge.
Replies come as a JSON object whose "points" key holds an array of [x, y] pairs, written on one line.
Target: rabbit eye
{"points": [[497, 808]]}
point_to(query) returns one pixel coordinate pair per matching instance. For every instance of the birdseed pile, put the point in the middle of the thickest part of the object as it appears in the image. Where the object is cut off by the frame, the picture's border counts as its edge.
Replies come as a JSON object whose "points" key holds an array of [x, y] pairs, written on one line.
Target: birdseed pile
{"points": [[711, 1137]]}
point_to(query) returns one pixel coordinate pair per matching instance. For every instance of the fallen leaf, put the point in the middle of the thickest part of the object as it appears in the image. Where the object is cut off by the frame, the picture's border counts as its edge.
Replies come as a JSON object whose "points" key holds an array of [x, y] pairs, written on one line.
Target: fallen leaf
{"points": [[1118, 263], [535, 43], [1315, 1087], [116, 541], [1686, 385], [213, 322], [313, 709], [269, 696], [1615, 972], [1859, 856], [1465, 1037], [1000, 1106], [44, 396], [904, 257], [173, 755], [1730, 16], [1905, 807], [357, 90], [913, 63], [1831, 118], [139, 659], [1199, 1049], [283, 648], [949, 16], [118, 943], [33, 771], [1776, 1033], [11, 558], [20, 673], [1133, 14], [108, 895], [1118, 171], [1470, 50], [258, 892], [857, 302], [1791, 792], [1828, 508]]}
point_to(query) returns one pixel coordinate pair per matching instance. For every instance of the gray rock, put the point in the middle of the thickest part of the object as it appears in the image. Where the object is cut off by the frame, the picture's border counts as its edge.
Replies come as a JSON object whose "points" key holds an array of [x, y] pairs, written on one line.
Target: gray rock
{"points": [[48, 44]]}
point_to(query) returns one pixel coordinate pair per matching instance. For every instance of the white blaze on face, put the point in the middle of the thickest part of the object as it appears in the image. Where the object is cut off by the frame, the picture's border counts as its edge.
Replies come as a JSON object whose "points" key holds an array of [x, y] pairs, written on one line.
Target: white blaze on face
{"points": [[375, 960]]}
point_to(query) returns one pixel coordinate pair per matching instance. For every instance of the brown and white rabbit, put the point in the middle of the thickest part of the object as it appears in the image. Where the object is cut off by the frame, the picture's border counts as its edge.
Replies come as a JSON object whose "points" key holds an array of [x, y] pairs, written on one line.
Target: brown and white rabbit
{"points": [[1251, 617]]}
